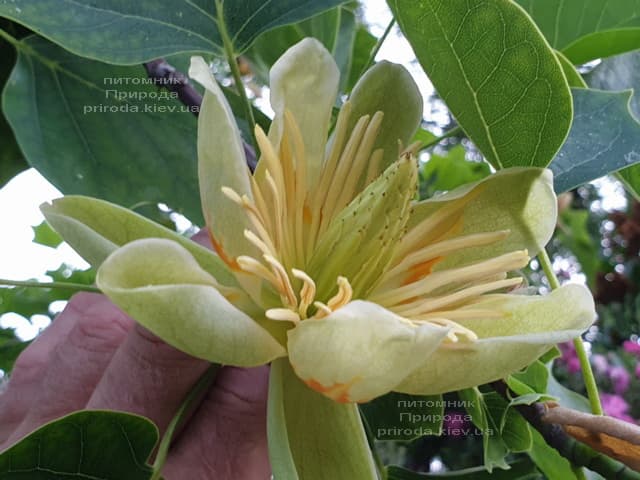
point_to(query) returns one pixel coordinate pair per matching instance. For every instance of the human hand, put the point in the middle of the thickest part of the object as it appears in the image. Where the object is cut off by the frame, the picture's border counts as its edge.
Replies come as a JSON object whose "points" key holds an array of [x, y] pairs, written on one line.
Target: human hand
{"points": [[93, 356]]}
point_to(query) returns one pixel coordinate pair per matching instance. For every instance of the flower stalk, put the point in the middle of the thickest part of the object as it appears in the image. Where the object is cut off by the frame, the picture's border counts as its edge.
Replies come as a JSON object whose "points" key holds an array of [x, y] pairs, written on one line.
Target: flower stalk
{"points": [[587, 373]]}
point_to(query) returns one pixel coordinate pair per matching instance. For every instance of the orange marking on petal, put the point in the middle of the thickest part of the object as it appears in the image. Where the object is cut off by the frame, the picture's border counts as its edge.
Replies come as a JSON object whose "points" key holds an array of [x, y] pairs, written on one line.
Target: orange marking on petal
{"points": [[217, 246], [420, 270], [338, 391], [306, 215]]}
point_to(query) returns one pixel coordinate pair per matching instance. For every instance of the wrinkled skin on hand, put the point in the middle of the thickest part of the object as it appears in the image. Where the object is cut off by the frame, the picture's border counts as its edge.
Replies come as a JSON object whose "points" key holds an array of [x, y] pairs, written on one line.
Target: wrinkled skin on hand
{"points": [[93, 356]]}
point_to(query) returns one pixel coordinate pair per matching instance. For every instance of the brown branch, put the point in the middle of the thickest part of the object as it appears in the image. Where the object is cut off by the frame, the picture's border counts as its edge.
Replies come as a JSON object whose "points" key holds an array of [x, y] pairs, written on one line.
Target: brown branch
{"points": [[576, 452], [165, 75]]}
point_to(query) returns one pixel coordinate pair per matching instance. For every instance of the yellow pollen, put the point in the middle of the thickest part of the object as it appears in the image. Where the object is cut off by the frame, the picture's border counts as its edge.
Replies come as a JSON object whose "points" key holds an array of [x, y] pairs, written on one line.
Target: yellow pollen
{"points": [[307, 293], [457, 330], [257, 241], [345, 292], [283, 314], [251, 265], [451, 277], [323, 310], [425, 305], [283, 286]]}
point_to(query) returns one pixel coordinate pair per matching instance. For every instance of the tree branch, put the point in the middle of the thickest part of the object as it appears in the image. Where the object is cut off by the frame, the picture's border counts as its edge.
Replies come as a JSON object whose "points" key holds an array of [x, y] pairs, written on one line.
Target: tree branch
{"points": [[165, 75], [576, 452]]}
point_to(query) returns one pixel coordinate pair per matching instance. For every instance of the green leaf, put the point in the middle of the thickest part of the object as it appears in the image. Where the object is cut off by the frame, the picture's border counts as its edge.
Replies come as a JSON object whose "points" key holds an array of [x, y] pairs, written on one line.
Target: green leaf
{"points": [[362, 47], [548, 460], [85, 141], [335, 29], [97, 445], [587, 29], [574, 79], [495, 449], [535, 377], [603, 139], [312, 437], [620, 73], [567, 398], [45, 235], [12, 161], [516, 111], [573, 233], [10, 347], [127, 33], [446, 172], [397, 416], [520, 470], [512, 428]]}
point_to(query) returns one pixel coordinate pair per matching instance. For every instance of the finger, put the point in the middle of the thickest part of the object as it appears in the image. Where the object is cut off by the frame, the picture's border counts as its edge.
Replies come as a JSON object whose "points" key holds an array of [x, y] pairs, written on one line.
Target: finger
{"points": [[78, 360], [29, 369], [226, 439], [147, 377]]}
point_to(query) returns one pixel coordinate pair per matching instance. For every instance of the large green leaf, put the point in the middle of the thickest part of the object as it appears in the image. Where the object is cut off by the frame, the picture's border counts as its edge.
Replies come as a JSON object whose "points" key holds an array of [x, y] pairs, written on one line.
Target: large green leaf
{"points": [[495, 448], [604, 138], [496, 73], [312, 437], [11, 159], [88, 136], [96, 445], [127, 33], [588, 29], [334, 28], [548, 460], [398, 416], [620, 73]]}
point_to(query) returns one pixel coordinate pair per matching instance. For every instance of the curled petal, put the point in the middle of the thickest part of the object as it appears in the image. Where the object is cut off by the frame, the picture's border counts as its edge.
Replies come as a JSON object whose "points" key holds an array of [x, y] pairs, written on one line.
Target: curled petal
{"points": [[304, 81], [360, 351], [96, 228], [162, 287], [221, 163], [520, 200], [528, 328]]}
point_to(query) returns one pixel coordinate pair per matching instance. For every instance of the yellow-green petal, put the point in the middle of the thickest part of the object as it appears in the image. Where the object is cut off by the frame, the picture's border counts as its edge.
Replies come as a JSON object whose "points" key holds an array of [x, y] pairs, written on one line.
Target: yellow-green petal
{"points": [[312, 437], [520, 200], [221, 163], [304, 81], [389, 88], [360, 351], [162, 287], [96, 228], [530, 326]]}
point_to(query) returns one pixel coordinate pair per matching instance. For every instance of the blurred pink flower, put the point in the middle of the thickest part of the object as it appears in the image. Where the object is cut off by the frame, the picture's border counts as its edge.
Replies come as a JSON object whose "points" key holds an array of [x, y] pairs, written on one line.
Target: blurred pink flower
{"points": [[631, 347], [569, 357], [600, 363], [620, 379], [616, 406], [638, 370]]}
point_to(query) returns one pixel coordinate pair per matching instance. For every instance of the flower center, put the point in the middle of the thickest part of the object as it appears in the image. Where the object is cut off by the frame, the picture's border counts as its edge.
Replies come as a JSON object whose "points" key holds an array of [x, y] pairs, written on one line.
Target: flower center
{"points": [[288, 216]]}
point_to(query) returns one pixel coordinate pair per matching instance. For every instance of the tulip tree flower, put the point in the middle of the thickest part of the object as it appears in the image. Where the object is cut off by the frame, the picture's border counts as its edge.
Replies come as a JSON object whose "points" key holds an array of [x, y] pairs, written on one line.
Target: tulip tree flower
{"points": [[327, 267]]}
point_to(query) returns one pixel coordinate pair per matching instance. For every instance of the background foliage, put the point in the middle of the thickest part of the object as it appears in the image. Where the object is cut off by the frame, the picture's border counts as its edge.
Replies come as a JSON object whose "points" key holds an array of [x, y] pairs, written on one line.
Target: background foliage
{"points": [[77, 107]]}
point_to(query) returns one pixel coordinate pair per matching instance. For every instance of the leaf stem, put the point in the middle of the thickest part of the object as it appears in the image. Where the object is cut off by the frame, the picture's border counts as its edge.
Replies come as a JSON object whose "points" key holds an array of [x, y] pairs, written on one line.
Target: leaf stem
{"points": [[587, 372], [10, 39], [376, 48], [235, 71], [380, 467], [450, 133], [188, 403], [33, 284]]}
